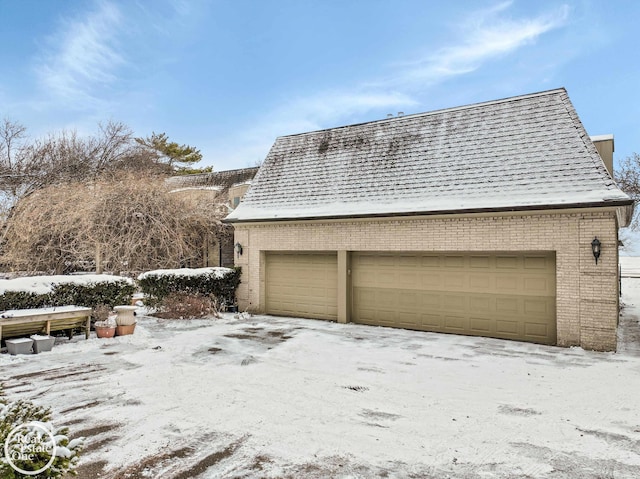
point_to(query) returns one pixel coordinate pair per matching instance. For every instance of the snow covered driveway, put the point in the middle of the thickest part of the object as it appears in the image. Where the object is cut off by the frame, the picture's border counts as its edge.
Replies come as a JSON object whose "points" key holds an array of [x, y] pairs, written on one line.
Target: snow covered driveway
{"points": [[280, 397]]}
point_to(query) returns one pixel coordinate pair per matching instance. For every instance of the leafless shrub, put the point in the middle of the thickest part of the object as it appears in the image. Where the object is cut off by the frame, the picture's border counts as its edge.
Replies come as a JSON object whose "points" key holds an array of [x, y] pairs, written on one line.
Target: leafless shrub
{"points": [[117, 223], [69, 202], [101, 312], [187, 306]]}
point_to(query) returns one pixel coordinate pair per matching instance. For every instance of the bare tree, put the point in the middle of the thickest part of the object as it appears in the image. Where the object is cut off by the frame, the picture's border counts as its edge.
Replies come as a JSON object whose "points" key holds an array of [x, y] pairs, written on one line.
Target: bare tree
{"points": [[627, 175], [29, 165], [116, 223], [12, 154]]}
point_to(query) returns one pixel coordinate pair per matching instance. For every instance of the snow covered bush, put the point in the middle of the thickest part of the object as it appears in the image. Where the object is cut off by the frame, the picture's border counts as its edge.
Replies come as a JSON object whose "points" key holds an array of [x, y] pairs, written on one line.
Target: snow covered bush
{"points": [[35, 420], [219, 284], [82, 290], [111, 293]]}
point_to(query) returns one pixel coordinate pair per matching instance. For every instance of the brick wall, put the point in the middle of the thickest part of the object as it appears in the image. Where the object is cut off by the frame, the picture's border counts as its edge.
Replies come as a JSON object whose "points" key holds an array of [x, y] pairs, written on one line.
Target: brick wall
{"points": [[586, 293]]}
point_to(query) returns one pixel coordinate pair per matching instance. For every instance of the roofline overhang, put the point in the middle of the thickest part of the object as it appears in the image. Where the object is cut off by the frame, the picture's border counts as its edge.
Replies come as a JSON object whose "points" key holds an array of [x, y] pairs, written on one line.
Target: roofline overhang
{"points": [[624, 212]]}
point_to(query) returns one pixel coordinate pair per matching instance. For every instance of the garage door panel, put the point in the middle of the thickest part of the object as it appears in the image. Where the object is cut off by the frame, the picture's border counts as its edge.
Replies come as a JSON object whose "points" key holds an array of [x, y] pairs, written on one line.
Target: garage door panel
{"points": [[387, 279], [538, 307], [432, 322], [408, 262], [506, 262], [430, 281], [456, 323], [480, 282], [536, 262], [482, 326], [536, 330], [508, 296], [508, 282], [456, 302], [481, 262], [452, 261], [482, 304], [455, 281], [409, 320], [505, 305], [431, 262], [407, 281], [540, 285], [430, 300], [302, 284], [507, 327], [409, 299]]}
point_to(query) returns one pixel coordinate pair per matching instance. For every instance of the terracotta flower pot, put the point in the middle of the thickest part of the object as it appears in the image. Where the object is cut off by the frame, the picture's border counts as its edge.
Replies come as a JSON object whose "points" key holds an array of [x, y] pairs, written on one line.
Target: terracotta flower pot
{"points": [[125, 329], [105, 331]]}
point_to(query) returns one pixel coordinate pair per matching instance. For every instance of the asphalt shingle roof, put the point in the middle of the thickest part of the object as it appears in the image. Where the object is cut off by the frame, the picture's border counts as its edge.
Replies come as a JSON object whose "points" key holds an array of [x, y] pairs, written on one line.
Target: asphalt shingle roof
{"points": [[220, 179], [518, 153]]}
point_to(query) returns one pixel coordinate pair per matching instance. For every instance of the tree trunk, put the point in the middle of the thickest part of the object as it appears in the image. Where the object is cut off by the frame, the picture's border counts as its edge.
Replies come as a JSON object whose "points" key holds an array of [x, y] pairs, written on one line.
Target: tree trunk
{"points": [[98, 258]]}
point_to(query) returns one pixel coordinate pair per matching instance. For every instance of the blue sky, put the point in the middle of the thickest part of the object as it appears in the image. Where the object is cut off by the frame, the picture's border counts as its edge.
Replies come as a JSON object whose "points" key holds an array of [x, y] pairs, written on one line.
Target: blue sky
{"points": [[228, 77]]}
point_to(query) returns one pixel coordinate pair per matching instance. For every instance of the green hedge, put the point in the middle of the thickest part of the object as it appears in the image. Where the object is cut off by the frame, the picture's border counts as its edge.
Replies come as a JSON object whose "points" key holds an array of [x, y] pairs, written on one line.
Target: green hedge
{"points": [[157, 285], [111, 293]]}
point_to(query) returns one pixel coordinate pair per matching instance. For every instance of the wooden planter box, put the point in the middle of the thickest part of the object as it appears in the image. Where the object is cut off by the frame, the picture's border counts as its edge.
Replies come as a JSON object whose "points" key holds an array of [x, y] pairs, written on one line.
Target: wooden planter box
{"points": [[22, 322]]}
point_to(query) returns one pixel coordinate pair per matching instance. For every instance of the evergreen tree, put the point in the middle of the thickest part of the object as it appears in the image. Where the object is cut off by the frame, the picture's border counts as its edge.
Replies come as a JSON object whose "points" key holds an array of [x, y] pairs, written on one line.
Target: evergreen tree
{"points": [[179, 158]]}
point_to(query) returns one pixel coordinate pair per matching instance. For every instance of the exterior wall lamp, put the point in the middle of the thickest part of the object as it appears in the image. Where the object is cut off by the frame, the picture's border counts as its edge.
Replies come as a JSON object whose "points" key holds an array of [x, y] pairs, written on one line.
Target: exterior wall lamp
{"points": [[595, 247], [239, 248]]}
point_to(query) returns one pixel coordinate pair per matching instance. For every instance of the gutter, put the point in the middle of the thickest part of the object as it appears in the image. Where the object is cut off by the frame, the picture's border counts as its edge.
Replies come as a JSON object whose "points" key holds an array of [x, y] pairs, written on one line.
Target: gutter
{"points": [[624, 212]]}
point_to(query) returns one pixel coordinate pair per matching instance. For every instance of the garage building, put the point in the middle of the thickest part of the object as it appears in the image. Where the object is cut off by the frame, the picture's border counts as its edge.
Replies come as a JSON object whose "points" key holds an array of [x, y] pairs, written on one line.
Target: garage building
{"points": [[484, 219]]}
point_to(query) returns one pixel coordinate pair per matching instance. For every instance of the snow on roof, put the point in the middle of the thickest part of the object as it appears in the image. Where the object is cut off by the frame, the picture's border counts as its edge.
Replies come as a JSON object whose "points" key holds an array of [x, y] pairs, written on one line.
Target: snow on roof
{"points": [[222, 179], [601, 137], [197, 188], [522, 152], [243, 183], [45, 284]]}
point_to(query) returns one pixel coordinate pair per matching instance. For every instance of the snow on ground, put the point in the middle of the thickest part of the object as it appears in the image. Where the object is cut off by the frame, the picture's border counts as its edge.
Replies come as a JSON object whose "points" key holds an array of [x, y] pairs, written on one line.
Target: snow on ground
{"points": [[285, 397], [630, 266]]}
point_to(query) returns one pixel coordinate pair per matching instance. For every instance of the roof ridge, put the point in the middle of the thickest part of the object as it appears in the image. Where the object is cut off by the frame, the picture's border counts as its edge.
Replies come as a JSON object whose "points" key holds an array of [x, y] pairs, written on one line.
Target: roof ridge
{"points": [[435, 112], [598, 162]]}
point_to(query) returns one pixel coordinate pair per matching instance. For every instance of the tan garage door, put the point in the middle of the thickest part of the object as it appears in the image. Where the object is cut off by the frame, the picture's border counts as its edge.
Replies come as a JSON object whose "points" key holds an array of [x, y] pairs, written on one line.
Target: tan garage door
{"points": [[302, 284], [508, 295]]}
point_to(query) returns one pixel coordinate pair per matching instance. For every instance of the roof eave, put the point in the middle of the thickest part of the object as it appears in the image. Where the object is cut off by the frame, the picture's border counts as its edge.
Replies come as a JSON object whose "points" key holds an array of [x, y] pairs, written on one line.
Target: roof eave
{"points": [[624, 212]]}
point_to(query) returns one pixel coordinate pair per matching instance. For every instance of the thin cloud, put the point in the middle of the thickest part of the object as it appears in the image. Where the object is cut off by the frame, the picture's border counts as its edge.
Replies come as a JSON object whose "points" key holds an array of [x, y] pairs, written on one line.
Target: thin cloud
{"points": [[480, 37], [83, 56], [311, 113], [485, 36], [330, 107]]}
